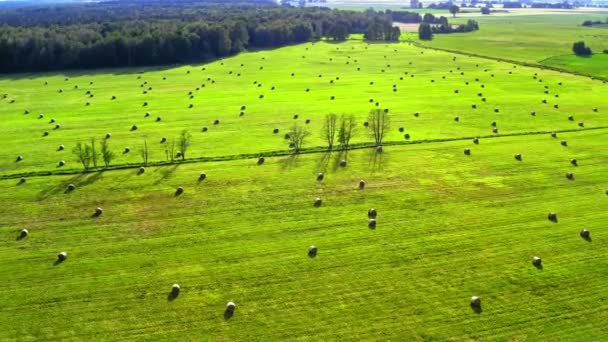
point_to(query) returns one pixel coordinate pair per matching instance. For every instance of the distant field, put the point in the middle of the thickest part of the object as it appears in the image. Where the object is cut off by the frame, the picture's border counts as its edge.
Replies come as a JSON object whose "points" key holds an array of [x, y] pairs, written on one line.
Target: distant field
{"points": [[429, 82]]}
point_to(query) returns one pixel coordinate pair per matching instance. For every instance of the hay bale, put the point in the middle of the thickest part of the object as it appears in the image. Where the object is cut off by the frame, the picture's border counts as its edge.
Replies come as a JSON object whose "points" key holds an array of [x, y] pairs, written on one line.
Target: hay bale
{"points": [[61, 147], [230, 307], [62, 256], [570, 175], [127, 150], [307, 121], [343, 163], [175, 290], [216, 122], [241, 113], [365, 123], [22, 180], [46, 133], [493, 123], [287, 136], [145, 104], [163, 140], [536, 261], [406, 136], [467, 151], [202, 177], [205, 129], [456, 118], [320, 176], [581, 124], [361, 184], [61, 163], [518, 156], [533, 113], [494, 130], [23, 233], [552, 217], [19, 158], [553, 134], [141, 170], [595, 109], [474, 106], [98, 211], [564, 143], [261, 160], [401, 129], [476, 141], [57, 126], [295, 116], [496, 110], [134, 128], [52, 120], [556, 106], [178, 154], [275, 131], [371, 224], [574, 162], [416, 114], [379, 149], [179, 191], [475, 302], [191, 106], [108, 135], [571, 117], [585, 234], [158, 119], [372, 213], [317, 202]]}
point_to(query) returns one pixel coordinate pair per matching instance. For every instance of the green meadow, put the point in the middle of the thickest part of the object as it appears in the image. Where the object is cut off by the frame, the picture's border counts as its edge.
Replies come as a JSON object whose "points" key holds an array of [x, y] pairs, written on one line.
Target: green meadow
{"points": [[450, 225]]}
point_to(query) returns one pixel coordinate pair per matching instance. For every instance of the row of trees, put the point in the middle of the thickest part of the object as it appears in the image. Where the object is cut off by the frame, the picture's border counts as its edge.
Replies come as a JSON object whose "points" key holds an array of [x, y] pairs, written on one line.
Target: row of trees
{"points": [[580, 49], [203, 33], [426, 31]]}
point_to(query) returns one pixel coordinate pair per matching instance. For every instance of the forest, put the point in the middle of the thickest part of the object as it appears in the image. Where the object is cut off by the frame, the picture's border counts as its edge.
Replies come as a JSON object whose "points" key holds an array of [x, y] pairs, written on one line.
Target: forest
{"points": [[131, 34]]}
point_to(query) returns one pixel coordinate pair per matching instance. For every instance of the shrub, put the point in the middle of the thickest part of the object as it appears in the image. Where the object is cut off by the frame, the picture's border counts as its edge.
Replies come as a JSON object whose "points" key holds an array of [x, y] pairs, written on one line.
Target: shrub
{"points": [[580, 49]]}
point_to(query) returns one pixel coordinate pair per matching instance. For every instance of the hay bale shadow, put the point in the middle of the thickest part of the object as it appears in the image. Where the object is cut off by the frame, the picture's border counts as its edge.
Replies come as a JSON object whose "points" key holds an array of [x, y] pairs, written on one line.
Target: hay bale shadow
{"points": [[172, 296], [165, 173], [58, 262], [376, 159], [323, 162], [228, 313], [539, 266], [476, 309]]}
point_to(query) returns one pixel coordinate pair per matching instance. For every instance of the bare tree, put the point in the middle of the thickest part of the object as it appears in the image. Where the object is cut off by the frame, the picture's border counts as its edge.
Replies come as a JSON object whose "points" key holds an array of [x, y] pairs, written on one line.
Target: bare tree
{"points": [[144, 153], [170, 150], [329, 129], [297, 136], [379, 124], [348, 128], [106, 154], [184, 142], [94, 154], [83, 154]]}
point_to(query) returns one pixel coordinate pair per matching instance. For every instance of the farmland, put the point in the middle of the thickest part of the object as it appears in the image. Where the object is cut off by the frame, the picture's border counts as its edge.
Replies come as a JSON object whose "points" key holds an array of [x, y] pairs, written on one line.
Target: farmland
{"points": [[455, 219]]}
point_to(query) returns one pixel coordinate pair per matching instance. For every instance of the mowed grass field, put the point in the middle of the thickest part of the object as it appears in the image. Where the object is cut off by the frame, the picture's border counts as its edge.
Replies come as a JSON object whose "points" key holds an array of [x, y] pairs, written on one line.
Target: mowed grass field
{"points": [[406, 80], [544, 39], [449, 226]]}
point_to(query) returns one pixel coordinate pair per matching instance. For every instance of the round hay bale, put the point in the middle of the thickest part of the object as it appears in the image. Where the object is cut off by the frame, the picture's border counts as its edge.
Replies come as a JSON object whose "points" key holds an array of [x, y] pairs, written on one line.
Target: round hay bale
{"points": [[230, 307], [158, 119], [496, 110], [595, 109], [401, 129], [22, 180], [571, 117], [179, 191], [175, 290], [178, 154], [416, 114], [40, 116], [332, 98], [205, 129], [475, 302], [366, 124], [544, 101], [61, 163], [295, 116], [202, 177], [476, 141], [113, 97], [127, 150], [406, 136], [456, 118], [483, 99], [216, 122], [61, 147], [261, 160], [163, 140], [320, 176], [191, 106], [62, 256], [98, 211], [312, 251], [23, 233], [574, 162], [19, 158], [307, 121], [570, 175], [317, 202], [343, 163], [243, 107], [495, 130], [518, 156], [134, 128], [585, 234], [275, 131], [581, 124], [361, 184], [141, 170], [553, 134], [552, 217], [145, 104], [533, 113], [467, 151], [379, 149], [372, 213], [371, 224], [46, 133], [241, 113], [292, 144], [52, 120], [536, 261], [474, 106], [556, 106], [108, 135], [564, 143], [287, 136], [57, 126]]}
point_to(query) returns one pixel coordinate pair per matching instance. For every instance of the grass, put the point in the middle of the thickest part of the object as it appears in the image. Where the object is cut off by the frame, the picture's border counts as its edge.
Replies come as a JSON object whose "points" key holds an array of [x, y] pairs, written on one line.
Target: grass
{"points": [[450, 226], [515, 94]]}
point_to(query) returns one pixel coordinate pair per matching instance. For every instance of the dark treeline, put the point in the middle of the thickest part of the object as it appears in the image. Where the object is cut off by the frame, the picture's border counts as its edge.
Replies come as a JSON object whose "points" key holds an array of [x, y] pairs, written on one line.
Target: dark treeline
{"points": [[157, 33]]}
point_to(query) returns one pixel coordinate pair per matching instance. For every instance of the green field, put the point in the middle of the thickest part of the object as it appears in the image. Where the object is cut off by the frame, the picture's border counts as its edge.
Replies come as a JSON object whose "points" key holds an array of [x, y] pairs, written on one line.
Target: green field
{"points": [[450, 225]]}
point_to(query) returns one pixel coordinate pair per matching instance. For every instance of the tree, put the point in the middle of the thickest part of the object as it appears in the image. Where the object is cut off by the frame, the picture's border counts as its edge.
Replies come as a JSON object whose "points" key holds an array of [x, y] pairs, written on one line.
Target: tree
{"points": [[348, 127], [378, 123], [144, 153], [184, 142], [329, 129], [485, 10], [454, 9], [297, 136], [94, 154], [83, 154], [425, 32], [580, 49], [106, 154]]}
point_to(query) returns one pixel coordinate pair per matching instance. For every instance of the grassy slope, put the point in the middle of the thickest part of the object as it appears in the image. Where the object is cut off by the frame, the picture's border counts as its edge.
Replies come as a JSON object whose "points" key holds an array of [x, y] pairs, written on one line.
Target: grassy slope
{"points": [[450, 226], [515, 95], [545, 39]]}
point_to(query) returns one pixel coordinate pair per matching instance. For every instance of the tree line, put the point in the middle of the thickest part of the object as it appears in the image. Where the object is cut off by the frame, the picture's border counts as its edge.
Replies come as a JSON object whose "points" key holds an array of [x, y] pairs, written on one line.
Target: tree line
{"points": [[116, 35]]}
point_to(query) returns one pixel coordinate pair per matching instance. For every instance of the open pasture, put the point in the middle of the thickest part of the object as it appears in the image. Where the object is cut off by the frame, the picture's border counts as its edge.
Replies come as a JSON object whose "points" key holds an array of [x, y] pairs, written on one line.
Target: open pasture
{"points": [[241, 100]]}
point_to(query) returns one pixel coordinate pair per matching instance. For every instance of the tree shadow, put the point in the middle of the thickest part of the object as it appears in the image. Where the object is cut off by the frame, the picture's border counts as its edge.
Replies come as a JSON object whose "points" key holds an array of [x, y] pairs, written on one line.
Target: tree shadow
{"points": [[376, 160], [323, 162], [166, 172], [338, 157], [289, 162]]}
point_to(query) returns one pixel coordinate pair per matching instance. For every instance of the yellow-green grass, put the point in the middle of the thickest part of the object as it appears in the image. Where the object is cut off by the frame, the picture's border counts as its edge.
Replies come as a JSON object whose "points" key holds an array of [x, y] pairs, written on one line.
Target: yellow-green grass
{"points": [[544, 39], [513, 91], [450, 226]]}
